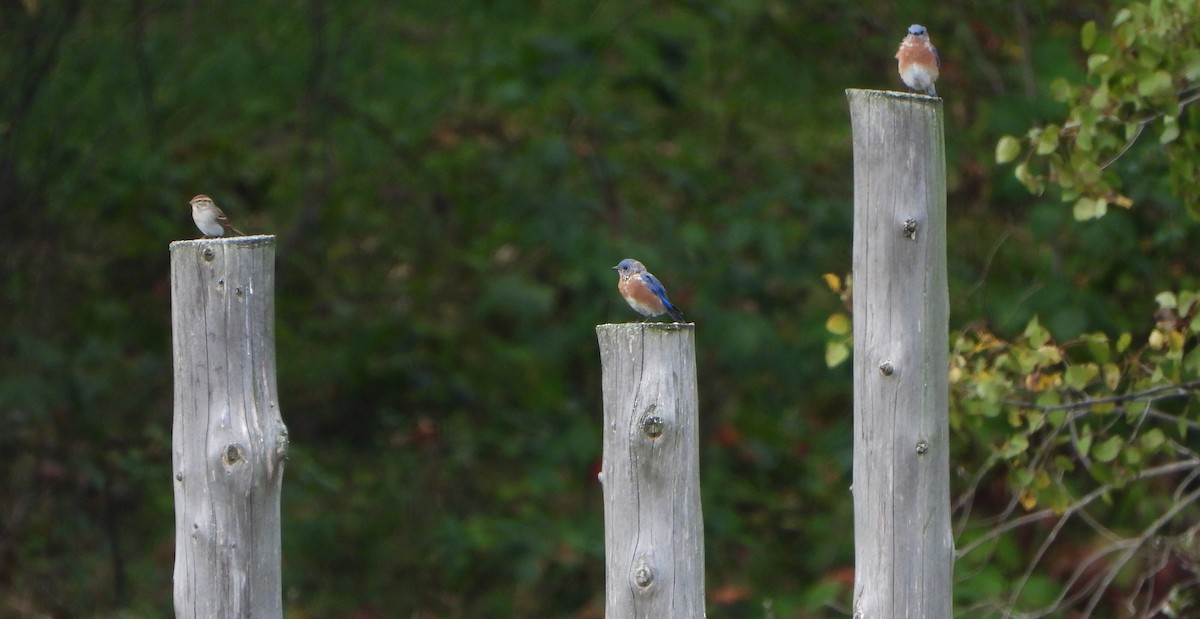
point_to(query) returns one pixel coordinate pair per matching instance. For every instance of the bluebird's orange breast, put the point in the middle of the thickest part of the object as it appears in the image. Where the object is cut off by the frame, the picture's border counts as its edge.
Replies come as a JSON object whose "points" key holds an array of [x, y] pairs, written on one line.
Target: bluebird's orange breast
{"points": [[639, 296]]}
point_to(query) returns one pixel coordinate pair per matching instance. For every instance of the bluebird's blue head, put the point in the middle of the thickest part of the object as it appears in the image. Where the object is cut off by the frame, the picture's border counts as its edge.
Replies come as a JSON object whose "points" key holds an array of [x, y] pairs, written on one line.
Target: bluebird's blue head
{"points": [[917, 30], [629, 265]]}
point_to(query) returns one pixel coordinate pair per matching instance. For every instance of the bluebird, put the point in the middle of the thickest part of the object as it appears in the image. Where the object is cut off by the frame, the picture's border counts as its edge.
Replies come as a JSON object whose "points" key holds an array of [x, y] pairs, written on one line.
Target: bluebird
{"points": [[918, 60], [643, 292]]}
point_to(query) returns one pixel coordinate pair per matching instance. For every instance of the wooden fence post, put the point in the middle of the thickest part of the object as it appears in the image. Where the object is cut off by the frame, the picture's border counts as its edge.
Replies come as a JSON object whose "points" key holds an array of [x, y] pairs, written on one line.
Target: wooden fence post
{"points": [[903, 548], [228, 439], [653, 526]]}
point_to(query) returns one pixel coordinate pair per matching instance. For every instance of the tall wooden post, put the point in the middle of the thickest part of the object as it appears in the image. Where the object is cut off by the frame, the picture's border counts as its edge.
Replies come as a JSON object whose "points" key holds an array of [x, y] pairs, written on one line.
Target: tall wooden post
{"points": [[903, 548], [228, 440], [653, 526]]}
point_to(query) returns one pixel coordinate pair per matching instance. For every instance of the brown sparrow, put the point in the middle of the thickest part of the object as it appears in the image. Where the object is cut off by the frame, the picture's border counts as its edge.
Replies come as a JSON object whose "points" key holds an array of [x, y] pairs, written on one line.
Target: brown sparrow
{"points": [[211, 221]]}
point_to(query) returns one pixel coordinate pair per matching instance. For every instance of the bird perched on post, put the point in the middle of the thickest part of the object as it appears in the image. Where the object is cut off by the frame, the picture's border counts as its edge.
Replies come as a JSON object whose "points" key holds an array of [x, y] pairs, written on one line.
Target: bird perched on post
{"points": [[209, 218], [918, 60], [643, 292]]}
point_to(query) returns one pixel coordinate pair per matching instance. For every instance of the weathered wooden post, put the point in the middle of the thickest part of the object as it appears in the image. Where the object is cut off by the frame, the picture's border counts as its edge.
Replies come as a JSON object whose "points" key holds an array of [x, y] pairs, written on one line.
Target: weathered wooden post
{"points": [[653, 526], [903, 548], [228, 440]]}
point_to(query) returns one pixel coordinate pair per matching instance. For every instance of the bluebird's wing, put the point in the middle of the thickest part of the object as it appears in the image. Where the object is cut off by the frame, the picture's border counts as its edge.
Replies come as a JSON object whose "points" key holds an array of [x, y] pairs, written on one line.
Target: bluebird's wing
{"points": [[656, 287]]}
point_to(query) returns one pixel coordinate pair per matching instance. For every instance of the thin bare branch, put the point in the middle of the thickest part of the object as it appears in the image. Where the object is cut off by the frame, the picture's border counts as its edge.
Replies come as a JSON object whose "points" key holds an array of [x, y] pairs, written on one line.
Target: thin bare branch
{"points": [[1158, 471], [1157, 414], [1140, 541], [1165, 391], [1033, 562], [1183, 103]]}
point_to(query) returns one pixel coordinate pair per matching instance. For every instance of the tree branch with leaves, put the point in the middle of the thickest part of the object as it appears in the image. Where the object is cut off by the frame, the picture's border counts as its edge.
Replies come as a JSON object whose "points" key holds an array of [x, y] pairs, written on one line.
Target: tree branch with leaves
{"points": [[1142, 73]]}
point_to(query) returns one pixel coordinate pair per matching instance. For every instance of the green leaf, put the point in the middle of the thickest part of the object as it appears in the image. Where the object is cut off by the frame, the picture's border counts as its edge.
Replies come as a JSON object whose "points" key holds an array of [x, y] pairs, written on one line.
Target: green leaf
{"points": [[1090, 208], [1036, 334], [1083, 137], [1166, 300], [1191, 361], [1007, 149], [1076, 377], [1109, 449], [1099, 98], [836, 353], [1031, 181], [1061, 90], [1064, 463], [1048, 398], [1048, 355], [1084, 444], [1190, 58], [1123, 342], [1087, 170], [1153, 439], [1097, 345], [1087, 35], [1014, 447], [1155, 84], [1188, 298], [1112, 376], [1048, 140], [1096, 61], [1131, 456], [1170, 130], [838, 324]]}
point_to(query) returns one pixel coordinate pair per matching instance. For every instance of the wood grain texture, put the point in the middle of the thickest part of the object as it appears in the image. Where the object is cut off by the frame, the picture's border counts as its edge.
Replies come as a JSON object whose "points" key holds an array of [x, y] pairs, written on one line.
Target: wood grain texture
{"points": [[653, 524], [903, 548], [229, 442]]}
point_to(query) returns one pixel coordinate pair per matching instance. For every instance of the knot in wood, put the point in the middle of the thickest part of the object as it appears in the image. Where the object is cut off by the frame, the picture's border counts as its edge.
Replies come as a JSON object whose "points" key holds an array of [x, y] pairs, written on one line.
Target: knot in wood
{"points": [[922, 447], [232, 454], [208, 254], [910, 229], [652, 426], [281, 444], [886, 368], [643, 575]]}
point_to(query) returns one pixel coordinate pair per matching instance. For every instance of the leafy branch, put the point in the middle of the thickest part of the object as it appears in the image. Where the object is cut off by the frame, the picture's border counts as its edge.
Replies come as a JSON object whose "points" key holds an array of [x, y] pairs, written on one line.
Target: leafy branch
{"points": [[1166, 391], [1144, 70], [1057, 423]]}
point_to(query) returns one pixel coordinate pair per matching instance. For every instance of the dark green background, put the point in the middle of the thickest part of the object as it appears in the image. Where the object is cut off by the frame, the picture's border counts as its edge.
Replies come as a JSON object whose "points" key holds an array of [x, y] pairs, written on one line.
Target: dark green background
{"points": [[450, 183]]}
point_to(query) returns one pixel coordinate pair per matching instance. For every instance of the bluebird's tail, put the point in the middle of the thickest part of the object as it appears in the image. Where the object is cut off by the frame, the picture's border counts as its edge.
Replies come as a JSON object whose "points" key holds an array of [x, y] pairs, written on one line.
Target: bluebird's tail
{"points": [[676, 315]]}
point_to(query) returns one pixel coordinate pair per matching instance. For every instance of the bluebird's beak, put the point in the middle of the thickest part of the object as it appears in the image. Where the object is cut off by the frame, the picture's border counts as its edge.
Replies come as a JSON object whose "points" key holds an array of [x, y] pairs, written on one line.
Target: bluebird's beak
{"points": [[616, 267]]}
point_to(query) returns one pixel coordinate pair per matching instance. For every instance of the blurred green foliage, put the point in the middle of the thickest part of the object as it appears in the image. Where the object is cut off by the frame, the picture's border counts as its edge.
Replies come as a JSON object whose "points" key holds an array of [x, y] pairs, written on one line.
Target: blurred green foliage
{"points": [[450, 183]]}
